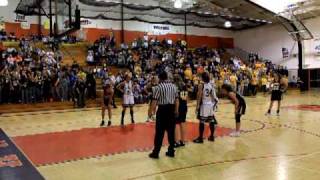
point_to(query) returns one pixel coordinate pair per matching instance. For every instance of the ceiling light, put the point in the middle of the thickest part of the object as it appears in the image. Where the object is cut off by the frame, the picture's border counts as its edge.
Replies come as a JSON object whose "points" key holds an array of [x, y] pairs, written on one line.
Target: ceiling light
{"points": [[227, 24], [178, 4], [3, 2]]}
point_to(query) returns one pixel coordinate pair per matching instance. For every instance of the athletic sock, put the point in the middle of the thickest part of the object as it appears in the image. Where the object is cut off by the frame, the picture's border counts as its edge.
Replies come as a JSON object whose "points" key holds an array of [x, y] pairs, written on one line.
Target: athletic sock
{"points": [[122, 117], [132, 118], [212, 129], [201, 130]]}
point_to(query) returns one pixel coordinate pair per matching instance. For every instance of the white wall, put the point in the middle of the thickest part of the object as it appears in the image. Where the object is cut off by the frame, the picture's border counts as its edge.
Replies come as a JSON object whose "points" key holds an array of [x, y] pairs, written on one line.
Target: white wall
{"points": [[9, 16], [8, 12], [269, 40], [145, 27]]}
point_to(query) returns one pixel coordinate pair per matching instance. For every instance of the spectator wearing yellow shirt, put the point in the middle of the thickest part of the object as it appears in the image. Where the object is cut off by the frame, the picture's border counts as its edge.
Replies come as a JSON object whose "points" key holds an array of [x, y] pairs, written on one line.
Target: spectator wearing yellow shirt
{"points": [[233, 81], [254, 85], [264, 82], [188, 73]]}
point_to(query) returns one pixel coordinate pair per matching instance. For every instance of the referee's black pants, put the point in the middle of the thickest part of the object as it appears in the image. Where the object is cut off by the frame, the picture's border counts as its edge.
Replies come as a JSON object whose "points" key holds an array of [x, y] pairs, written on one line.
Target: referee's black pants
{"points": [[165, 122]]}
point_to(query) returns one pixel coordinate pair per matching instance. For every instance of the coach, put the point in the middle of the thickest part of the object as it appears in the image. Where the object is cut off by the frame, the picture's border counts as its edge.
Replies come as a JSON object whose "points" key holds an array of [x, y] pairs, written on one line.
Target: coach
{"points": [[165, 95]]}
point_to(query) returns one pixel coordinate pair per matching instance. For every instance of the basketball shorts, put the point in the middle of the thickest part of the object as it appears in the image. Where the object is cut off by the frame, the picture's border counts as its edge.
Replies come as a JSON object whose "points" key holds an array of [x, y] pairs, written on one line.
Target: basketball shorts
{"points": [[242, 109], [107, 101], [276, 96], [206, 113], [128, 100]]}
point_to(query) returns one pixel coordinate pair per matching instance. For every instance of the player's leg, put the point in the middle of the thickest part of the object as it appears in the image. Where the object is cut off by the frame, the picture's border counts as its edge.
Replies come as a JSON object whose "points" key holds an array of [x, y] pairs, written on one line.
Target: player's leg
{"points": [[102, 113], [177, 135], [109, 113], [278, 109], [212, 129], [238, 126], [270, 107], [132, 114], [182, 133], [124, 108], [201, 131]]}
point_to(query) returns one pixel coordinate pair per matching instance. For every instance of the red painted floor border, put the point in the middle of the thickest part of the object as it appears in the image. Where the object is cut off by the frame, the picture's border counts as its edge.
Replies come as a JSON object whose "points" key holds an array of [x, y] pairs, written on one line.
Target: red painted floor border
{"points": [[60, 147], [304, 107]]}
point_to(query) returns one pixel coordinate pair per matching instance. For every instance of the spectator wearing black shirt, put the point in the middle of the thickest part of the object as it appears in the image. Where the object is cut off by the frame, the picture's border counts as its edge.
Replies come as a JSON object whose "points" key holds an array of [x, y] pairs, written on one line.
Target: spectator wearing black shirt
{"points": [[80, 92], [91, 85]]}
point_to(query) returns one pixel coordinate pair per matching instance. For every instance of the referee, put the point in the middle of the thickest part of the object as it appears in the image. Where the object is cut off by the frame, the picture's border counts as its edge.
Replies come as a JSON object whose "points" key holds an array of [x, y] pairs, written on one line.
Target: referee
{"points": [[165, 95]]}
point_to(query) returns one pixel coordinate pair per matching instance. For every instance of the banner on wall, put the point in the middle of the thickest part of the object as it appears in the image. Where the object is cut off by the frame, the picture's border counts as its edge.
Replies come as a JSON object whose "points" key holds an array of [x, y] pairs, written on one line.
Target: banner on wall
{"points": [[25, 25], [46, 24], [83, 22], [159, 29], [20, 18], [285, 53]]}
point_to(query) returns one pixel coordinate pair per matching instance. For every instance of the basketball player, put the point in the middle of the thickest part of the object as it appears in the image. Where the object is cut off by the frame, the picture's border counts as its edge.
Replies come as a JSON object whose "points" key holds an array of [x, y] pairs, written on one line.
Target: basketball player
{"points": [[239, 106], [148, 89], [107, 100], [206, 102], [183, 110], [278, 87], [126, 88]]}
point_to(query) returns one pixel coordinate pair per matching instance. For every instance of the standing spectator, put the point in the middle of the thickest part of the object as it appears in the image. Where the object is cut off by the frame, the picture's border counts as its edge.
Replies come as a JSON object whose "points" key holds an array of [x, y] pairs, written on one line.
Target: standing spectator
{"points": [[81, 91], [91, 85], [24, 87], [64, 86], [46, 86]]}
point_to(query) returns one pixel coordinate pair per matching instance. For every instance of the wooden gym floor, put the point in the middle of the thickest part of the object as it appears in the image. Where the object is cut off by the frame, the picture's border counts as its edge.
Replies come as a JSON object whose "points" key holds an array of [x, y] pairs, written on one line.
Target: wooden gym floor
{"points": [[69, 145]]}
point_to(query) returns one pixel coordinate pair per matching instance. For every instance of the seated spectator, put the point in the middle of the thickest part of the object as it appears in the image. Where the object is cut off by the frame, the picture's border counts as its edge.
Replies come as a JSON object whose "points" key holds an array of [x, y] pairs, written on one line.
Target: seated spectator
{"points": [[90, 58]]}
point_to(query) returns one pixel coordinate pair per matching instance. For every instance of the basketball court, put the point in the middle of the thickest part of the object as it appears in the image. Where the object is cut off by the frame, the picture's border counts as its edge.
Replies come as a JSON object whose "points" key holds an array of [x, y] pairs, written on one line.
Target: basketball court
{"points": [[68, 144], [57, 140]]}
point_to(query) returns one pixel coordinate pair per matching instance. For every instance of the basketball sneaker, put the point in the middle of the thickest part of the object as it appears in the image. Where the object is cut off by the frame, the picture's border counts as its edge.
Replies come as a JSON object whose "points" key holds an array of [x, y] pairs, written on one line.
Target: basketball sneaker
{"points": [[102, 123], [198, 140], [109, 123], [211, 138], [235, 134]]}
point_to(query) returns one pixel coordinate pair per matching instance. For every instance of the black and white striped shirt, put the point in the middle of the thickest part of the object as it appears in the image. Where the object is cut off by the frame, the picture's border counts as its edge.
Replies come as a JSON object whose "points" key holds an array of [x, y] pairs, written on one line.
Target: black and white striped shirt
{"points": [[165, 93]]}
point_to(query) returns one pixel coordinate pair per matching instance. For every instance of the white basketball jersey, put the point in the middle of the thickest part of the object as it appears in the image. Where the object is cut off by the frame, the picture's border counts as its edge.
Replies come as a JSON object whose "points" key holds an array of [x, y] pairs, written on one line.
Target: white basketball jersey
{"points": [[128, 88], [208, 94]]}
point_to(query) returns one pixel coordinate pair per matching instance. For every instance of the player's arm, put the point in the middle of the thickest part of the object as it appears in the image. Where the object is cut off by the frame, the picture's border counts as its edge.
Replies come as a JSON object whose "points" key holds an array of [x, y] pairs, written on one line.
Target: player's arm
{"points": [[102, 98], [199, 96], [284, 85], [177, 103], [120, 87], [152, 107], [214, 95], [145, 89], [234, 99]]}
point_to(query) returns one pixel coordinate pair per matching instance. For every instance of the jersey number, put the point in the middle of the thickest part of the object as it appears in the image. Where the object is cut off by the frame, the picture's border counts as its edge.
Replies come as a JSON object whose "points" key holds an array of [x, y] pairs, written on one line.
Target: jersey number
{"points": [[207, 92]]}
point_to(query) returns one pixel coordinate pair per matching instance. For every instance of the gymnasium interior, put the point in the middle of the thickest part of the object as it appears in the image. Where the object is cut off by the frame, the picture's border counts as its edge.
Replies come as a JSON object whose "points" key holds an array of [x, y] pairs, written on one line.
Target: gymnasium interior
{"points": [[57, 57]]}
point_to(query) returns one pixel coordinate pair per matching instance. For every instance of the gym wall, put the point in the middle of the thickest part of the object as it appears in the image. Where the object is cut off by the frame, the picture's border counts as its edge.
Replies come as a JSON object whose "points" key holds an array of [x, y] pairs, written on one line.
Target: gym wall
{"points": [[197, 37], [269, 40]]}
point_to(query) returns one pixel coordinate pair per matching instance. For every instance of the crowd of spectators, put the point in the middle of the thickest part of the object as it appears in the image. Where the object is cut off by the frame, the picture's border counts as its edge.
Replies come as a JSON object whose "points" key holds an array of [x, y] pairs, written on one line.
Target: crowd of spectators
{"points": [[31, 75], [145, 57]]}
